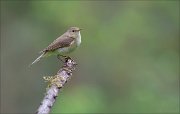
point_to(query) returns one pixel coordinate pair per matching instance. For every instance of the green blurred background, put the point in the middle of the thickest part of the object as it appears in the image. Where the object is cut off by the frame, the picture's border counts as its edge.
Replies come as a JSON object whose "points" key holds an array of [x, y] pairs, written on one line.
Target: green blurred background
{"points": [[128, 61]]}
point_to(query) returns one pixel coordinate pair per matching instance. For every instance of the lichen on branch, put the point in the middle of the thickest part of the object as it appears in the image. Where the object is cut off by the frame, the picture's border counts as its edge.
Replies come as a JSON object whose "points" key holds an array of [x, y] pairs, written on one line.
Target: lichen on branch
{"points": [[56, 83]]}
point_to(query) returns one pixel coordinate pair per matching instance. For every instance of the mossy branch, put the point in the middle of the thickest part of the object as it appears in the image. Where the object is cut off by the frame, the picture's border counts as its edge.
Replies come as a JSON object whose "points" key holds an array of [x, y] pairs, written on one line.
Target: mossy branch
{"points": [[56, 84]]}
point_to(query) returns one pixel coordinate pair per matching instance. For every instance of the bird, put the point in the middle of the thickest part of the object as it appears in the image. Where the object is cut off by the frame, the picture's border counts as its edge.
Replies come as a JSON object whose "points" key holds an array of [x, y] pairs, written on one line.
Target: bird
{"points": [[63, 45]]}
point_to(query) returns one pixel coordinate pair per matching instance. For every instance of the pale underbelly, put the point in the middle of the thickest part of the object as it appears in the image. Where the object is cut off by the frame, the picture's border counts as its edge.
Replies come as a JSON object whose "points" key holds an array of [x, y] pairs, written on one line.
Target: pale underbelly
{"points": [[65, 50]]}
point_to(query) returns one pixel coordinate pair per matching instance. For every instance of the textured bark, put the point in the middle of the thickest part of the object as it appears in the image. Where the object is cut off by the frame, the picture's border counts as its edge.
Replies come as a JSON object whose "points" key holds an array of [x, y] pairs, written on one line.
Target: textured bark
{"points": [[62, 76]]}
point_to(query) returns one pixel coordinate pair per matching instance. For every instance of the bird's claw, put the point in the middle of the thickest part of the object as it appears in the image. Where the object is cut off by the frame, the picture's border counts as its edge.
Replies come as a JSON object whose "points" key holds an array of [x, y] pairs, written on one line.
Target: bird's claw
{"points": [[65, 57]]}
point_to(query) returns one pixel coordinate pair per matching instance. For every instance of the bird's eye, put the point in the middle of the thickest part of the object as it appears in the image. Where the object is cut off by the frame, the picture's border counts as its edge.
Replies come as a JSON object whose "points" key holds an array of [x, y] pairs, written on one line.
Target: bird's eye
{"points": [[73, 30]]}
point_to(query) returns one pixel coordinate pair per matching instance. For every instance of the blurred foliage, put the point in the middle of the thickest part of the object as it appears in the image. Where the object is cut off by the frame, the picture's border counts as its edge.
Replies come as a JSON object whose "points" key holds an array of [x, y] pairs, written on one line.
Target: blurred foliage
{"points": [[128, 61]]}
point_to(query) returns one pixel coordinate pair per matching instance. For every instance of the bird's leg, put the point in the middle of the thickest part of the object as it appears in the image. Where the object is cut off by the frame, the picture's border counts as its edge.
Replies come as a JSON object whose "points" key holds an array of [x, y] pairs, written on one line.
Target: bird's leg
{"points": [[59, 57], [65, 57]]}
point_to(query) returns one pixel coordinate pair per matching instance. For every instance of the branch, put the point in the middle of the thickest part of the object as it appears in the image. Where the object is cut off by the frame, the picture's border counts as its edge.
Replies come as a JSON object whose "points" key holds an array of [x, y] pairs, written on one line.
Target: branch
{"points": [[56, 83]]}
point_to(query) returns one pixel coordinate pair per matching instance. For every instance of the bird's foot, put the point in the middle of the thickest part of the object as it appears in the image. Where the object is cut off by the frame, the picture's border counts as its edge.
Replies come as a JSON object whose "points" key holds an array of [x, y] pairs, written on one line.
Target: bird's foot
{"points": [[65, 58]]}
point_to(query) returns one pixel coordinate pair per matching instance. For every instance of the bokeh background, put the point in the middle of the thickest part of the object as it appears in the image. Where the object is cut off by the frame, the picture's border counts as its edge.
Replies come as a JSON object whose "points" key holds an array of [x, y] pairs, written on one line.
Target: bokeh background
{"points": [[128, 61]]}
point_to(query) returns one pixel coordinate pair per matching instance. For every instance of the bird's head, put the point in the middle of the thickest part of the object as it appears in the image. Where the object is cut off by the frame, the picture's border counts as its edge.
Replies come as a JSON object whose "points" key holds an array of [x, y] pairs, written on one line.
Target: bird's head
{"points": [[74, 32]]}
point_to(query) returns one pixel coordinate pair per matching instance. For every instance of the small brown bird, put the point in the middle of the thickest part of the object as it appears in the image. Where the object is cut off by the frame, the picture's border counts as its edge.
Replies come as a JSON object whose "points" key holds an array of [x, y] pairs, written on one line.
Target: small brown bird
{"points": [[63, 45]]}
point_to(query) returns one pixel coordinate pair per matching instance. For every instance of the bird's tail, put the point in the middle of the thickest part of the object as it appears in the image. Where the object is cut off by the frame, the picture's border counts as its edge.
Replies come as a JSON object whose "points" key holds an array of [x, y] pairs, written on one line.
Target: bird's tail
{"points": [[38, 59]]}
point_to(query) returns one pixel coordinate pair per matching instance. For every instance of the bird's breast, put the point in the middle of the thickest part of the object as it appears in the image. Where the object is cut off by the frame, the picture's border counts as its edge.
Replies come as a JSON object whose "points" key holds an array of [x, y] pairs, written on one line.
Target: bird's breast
{"points": [[72, 47], [78, 40]]}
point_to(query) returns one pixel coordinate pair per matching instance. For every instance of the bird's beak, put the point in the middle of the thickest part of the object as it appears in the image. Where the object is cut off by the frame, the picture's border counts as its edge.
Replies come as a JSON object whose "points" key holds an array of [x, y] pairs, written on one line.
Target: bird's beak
{"points": [[80, 29]]}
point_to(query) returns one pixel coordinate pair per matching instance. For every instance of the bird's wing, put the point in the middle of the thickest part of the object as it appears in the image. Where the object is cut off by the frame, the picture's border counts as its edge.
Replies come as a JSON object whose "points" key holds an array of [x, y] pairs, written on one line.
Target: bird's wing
{"points": [[62, 41]]}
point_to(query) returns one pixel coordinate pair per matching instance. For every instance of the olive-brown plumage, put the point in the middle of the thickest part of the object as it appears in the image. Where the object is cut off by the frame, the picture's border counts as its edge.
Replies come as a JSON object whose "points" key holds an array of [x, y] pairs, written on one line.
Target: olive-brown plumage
{"points": [[63, 45]]}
